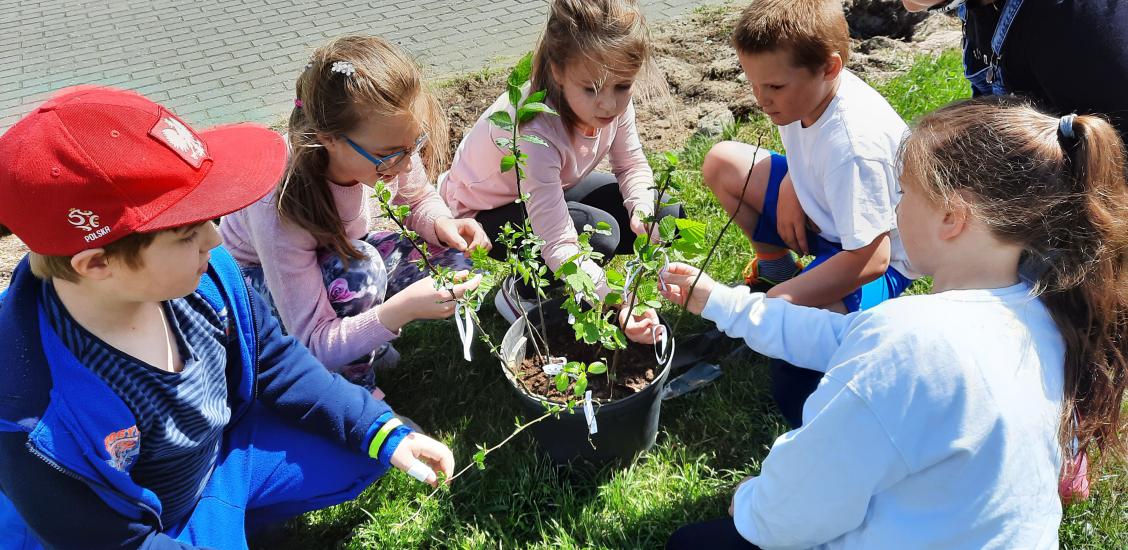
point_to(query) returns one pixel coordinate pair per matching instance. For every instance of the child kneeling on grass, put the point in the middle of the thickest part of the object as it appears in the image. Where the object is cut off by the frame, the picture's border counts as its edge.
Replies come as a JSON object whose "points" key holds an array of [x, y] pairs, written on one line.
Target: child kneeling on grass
{"points": [[149, 398], [589, 61], [944, 420], [362, 115], [833, 195]]}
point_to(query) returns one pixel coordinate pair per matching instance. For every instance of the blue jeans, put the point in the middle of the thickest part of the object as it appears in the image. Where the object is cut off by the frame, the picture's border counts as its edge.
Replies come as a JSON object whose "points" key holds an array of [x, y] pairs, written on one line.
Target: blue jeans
{"points": [[269, 471], [792, 385]]}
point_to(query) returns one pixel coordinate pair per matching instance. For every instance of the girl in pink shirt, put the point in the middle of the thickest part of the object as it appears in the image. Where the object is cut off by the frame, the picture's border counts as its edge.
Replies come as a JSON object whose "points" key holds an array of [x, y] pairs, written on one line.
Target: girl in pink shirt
{"points": [[588, 60], [362, 115]]}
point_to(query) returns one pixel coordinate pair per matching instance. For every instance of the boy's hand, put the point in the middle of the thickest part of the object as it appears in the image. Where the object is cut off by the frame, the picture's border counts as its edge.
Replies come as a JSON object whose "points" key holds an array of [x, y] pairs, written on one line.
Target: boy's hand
{"points": [[418, 447], [679, 278], [791, 221], [638, 327], [421, 300], [462, 234]]}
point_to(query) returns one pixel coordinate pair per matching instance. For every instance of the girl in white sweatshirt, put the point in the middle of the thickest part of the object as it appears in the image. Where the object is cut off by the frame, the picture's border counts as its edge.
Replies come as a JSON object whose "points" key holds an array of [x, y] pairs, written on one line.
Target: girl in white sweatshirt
{"points": [[944, 420]]}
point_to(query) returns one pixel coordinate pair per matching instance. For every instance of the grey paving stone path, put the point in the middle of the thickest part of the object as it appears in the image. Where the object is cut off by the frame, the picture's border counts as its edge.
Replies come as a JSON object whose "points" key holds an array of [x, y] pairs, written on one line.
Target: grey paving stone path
{"points": [[227, 60]]}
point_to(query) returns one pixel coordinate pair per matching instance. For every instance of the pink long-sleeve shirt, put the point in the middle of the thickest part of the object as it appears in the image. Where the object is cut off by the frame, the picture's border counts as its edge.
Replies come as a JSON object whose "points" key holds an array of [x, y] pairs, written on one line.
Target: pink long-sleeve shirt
{"points": [[287, 254], [475, 181]]}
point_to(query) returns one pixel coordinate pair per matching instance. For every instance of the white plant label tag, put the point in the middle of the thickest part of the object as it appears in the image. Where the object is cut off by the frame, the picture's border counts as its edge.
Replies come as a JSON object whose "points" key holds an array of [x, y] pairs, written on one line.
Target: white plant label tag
{"points": [[554, 366], [589, 414], [420, 470], [465, 326]]}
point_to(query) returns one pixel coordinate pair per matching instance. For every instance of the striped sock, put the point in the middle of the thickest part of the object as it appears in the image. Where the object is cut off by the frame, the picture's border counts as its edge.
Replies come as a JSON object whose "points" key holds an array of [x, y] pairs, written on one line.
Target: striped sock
{"points": [[776, 268]]}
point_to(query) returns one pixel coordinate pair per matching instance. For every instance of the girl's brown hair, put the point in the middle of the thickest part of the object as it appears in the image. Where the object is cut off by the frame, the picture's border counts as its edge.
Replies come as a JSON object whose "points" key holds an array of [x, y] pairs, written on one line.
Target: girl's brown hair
{"points": [[385, 82], [1056, 187], [611, 34]]}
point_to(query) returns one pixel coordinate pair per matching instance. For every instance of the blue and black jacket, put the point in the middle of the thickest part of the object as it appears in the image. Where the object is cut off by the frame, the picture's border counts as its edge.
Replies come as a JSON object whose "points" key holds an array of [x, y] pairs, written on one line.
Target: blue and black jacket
{"points": [[60, 485]]}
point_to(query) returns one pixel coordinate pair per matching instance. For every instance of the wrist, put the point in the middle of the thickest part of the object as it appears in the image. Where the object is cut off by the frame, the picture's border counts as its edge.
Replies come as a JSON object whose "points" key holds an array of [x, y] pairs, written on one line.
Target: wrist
{"points": [[390, 315]]}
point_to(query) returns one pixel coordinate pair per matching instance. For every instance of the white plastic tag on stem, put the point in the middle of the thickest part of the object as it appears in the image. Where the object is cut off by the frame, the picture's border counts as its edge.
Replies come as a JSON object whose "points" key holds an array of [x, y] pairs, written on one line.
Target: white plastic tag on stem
{"points": [[589, 414], [420, 470], [465, 326], [554, 366], [665, 268], [664, 346], [632, 269]]}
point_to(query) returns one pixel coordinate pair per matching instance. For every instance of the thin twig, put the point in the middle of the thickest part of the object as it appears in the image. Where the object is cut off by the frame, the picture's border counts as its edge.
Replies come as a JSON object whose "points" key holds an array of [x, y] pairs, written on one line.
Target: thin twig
{"points": [[716, 243], [486, 453]]}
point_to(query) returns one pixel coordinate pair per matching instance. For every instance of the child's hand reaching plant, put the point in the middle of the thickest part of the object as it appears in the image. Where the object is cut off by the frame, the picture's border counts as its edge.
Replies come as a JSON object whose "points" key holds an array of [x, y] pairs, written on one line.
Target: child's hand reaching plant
{"points": [[417, 448], [421, 300], [462, 234], [683, 282], [639, 328]]}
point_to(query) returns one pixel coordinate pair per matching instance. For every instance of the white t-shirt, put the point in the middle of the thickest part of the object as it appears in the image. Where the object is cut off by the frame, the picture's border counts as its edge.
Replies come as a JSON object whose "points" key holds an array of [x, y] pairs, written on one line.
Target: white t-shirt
{"points": [[844, 167], [935, 425]]}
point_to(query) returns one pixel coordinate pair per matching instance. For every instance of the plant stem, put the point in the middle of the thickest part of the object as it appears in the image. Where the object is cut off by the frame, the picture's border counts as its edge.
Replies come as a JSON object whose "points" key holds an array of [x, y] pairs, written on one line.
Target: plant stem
{"points": [[435, 273], [486, 452], [526, 225], [717, 242]]}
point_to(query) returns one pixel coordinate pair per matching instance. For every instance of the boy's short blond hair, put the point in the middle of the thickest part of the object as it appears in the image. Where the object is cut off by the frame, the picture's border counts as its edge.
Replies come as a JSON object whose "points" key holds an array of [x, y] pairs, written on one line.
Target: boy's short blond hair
{"points": [[812, 30], [127, 248]]}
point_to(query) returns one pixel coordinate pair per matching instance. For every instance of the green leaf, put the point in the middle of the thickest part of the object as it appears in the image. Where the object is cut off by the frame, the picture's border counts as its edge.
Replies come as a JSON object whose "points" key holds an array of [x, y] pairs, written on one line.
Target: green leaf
{"points": [[521, 72], [581, 385], [574, 367], [515, 96], [668, 228], [504, 142], [537, 96], [561, 382], [507, 162], [503, 120], [614, 278], [533, 139], [639, 244], [591, 333], [537, 107], [671, 159], [690, 230], [598, 367], [613, 298], [480, 459]]}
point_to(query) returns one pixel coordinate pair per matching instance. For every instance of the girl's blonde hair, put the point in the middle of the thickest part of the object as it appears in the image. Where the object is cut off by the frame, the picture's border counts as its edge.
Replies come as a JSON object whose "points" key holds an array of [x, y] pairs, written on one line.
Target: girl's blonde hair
{"points": [[1057, 188], [611, 34], [385, 83]]}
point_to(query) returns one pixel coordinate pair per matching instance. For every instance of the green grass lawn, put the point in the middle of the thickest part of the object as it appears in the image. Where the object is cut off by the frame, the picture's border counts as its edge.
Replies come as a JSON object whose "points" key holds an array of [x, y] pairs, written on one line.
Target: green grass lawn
{"points": [[708, 440]]}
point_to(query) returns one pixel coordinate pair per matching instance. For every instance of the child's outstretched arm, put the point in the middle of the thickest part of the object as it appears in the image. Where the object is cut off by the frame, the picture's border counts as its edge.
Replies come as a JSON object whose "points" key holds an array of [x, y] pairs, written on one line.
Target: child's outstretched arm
{"points": [[296, 386], [803, 336], [838, 276]]}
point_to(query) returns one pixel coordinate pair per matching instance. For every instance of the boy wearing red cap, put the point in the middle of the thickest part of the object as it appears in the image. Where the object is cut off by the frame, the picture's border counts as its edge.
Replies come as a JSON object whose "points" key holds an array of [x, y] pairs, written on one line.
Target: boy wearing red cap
{"points": [[149, 399]]}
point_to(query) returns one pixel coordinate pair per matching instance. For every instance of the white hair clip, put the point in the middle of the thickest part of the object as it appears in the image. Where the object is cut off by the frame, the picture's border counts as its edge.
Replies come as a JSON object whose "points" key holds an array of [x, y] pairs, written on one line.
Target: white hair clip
{"points": [[344, 67]]}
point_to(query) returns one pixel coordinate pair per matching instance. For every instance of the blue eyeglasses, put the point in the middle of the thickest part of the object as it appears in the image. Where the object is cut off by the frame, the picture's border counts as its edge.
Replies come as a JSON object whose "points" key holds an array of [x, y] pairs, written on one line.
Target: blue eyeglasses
{"points": [[390, 162]]}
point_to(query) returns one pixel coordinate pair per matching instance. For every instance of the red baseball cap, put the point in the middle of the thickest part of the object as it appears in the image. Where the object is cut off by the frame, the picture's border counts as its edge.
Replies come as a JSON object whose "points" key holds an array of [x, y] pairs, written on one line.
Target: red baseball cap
{"points": [[94, 164]]}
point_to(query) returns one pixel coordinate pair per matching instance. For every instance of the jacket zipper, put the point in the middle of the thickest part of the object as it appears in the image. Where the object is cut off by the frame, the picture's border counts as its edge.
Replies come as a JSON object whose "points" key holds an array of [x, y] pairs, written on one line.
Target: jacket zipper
{"points": [[58, 468]]}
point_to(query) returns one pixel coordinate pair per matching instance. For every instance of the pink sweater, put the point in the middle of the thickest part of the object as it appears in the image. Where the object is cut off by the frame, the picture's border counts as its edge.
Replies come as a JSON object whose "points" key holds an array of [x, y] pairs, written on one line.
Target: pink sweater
{"points": [[256, 235], [475, 181]]}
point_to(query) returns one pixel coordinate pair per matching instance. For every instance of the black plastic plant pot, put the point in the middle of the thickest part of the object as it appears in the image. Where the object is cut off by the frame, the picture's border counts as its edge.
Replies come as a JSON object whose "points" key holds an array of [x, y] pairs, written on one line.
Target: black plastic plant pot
{"points": [[626, 426]]}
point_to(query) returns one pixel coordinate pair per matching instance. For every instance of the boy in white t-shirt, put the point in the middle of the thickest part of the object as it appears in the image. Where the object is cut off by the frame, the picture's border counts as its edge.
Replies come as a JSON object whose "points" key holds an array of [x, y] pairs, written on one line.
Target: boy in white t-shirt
{"points": [[834, 195]]}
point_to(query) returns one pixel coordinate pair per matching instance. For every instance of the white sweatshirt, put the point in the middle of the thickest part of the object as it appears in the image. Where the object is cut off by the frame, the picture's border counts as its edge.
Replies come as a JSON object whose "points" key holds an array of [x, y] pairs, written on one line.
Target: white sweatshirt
{"points": [[935, 425]]}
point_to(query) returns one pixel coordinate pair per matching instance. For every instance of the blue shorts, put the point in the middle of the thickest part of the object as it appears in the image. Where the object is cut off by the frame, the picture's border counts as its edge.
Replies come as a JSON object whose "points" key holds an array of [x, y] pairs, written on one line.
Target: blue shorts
{"points": [[890, 285]]}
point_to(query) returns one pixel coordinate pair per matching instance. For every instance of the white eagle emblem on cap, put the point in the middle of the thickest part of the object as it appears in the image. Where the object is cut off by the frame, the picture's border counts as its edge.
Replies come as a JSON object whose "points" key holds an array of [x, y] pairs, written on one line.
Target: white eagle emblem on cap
{"points": [[180, 139]]}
